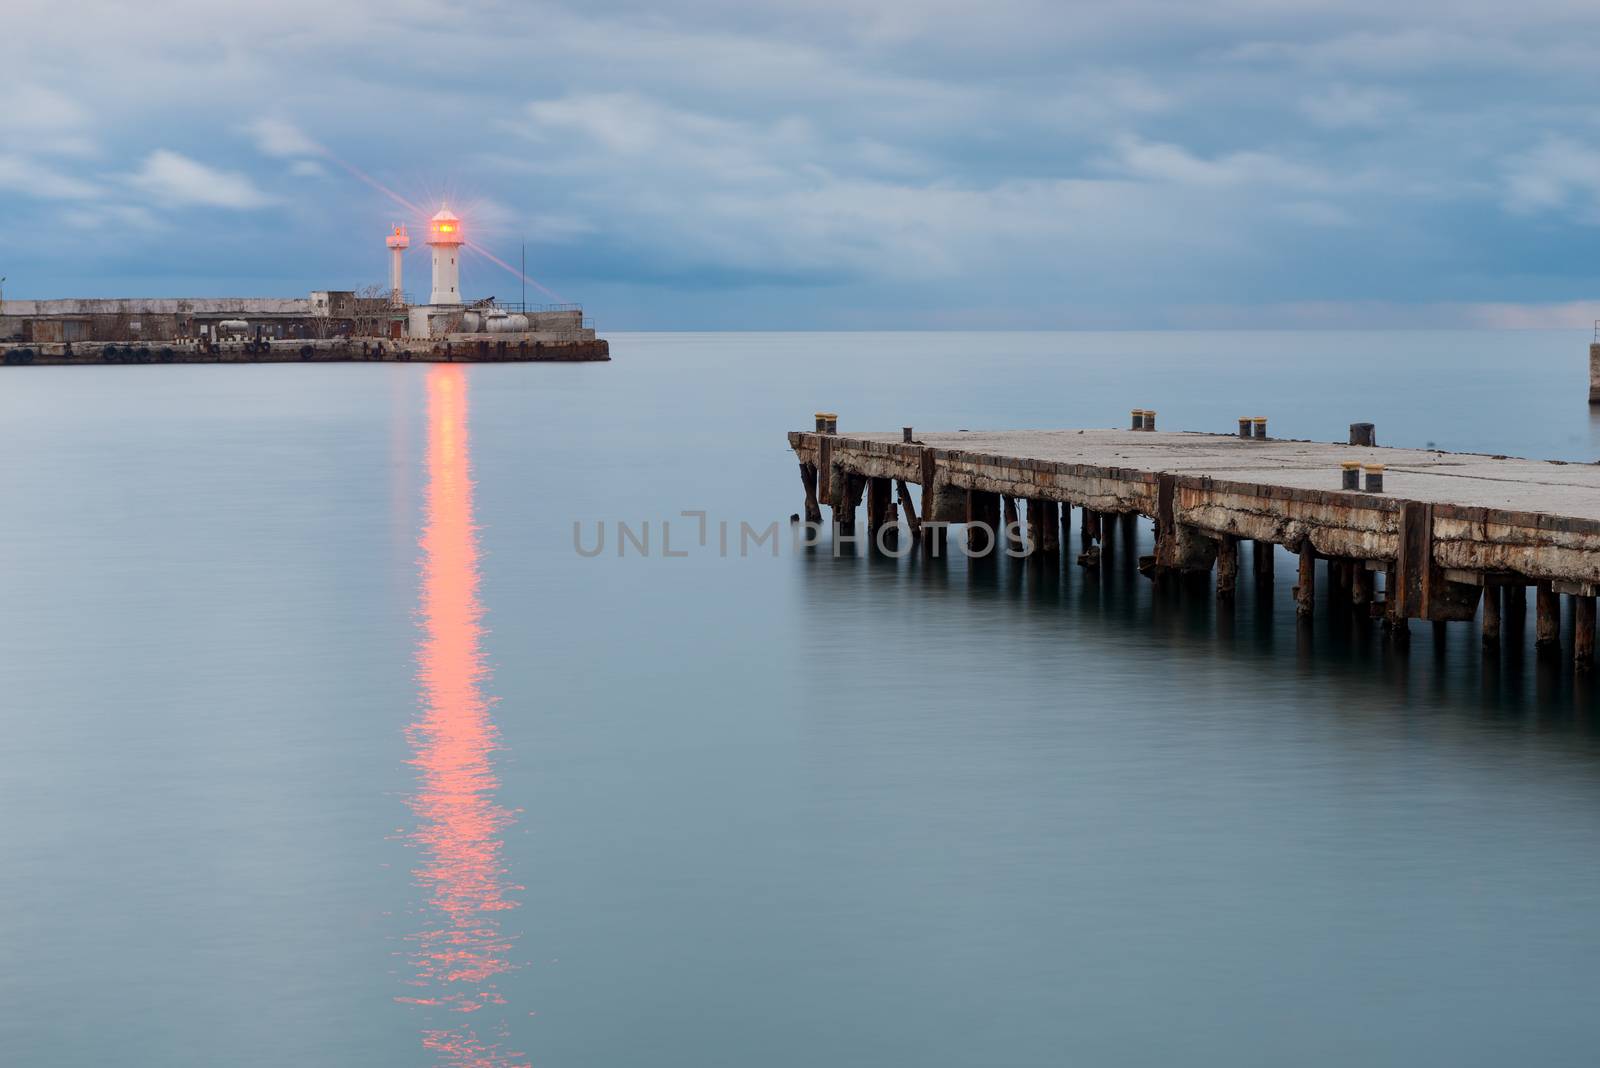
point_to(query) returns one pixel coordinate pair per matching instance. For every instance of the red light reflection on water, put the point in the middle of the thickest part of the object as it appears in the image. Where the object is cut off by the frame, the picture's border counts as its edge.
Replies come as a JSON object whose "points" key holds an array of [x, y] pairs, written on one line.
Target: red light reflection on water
{"points": [[461, 949]]}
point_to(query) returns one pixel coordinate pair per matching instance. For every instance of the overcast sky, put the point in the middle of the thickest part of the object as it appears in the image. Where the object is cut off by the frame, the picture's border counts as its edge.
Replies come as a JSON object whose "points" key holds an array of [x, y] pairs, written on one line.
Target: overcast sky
{"points": [[822, 163]]}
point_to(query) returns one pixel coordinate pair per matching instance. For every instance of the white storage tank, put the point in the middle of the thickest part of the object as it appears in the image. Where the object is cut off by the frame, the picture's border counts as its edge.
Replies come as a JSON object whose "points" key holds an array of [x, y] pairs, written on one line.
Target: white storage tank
{"points": [[507, 324]]}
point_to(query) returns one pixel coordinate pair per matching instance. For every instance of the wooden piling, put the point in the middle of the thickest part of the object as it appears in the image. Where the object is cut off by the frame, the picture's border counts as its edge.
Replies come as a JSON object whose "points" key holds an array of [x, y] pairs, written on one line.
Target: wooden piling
{"points": [[1515, 611], [1305, 593], [1227, 566], [1011, 535], [1547, 617], [1035, 519], [1089, 533], [1341, 584], [974, 513], [911, 512], [983, 523], [1363, 591], [1263, 555], [847, 488], [808, 479], [1049, 527], [1583, 633], [879, 491], [1491, 617]]}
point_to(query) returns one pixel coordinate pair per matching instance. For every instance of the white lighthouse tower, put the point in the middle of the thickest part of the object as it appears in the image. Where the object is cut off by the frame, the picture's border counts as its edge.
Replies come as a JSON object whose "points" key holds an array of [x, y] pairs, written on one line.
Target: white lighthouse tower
{"points": [[444, 237], [398, 242]]}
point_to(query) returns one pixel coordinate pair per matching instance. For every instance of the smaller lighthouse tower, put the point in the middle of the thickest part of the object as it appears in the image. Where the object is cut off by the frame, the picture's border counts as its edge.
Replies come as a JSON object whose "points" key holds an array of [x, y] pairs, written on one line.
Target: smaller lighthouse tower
{"points": [[444, 237], [398, 242]]}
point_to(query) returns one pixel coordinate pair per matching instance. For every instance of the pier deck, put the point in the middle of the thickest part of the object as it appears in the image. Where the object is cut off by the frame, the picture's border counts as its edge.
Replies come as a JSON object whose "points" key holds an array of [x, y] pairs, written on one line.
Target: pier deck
{"points": [[1501, 482], [1445, 528]]}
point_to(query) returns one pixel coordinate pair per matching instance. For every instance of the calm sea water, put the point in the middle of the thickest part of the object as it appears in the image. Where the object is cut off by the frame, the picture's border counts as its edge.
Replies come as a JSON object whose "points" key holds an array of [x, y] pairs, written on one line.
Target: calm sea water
{"points": [[320, 745]]}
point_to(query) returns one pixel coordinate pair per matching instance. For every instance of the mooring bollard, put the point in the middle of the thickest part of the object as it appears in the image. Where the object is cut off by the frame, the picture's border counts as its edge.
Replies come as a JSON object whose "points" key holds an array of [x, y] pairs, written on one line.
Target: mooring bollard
{"points": [[1138, 419], [905, 434], [1374, 478], [833, 422], [1149, 419], [1363, 434], [1352, 473], [822, 422], [1244, 426], [1260, 424]]}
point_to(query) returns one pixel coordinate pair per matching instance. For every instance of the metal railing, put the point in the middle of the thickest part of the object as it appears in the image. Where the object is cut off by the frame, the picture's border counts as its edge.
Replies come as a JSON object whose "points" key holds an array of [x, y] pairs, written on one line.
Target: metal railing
{"points": [[518, 307]]}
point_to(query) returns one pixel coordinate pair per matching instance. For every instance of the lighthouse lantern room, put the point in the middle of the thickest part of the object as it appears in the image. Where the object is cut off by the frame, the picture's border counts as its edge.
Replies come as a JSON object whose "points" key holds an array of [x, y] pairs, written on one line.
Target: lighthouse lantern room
{"points": [[444, 237]]}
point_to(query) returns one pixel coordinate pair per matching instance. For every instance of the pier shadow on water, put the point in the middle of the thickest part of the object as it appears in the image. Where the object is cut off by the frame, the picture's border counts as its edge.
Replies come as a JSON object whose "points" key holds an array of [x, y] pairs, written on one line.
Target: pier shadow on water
{"points": [[1183, 631]]}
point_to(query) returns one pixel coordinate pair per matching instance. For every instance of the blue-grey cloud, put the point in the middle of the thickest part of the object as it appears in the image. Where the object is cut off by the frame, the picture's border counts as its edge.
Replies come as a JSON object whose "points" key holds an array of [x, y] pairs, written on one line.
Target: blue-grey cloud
{"points": [[826, 163]]}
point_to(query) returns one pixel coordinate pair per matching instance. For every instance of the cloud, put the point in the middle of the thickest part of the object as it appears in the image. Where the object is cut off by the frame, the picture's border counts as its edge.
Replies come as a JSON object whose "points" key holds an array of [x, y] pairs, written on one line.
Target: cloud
{"points": [[100, 217], [45, 121], [30, 178], [1161, 162], [1400, 51], [177, 180], [904, 151], [1343, 106], [1560, 173], [281, 139], [1315, 213], [632, 127]]}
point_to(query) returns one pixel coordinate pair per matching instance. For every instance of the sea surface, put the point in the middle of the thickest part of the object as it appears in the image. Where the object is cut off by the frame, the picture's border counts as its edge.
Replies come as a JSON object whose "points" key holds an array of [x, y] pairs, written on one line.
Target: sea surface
{"points": [[321, 743]]}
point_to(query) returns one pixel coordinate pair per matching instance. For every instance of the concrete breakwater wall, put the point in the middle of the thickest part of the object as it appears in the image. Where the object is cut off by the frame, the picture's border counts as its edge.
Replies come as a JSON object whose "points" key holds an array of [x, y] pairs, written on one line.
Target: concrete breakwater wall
{"points": [[503, 349]]}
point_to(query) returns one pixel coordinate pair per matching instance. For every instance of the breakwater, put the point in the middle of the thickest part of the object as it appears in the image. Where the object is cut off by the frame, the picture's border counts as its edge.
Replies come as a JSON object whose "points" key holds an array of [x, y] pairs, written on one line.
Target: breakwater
{"points": [[339, 350]]}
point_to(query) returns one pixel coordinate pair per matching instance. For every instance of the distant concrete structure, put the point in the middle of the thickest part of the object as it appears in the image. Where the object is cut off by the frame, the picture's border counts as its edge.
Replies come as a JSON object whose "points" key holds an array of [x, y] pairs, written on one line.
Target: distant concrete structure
{"points": [[397, 242], [325, 314], [1594, 366], [161, 319], [444, 237]]}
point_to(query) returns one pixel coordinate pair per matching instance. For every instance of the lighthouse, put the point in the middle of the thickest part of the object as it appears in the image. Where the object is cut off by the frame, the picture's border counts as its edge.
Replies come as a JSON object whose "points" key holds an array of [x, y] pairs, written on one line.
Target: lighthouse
{"points": [[398, 242], [444, 237]]}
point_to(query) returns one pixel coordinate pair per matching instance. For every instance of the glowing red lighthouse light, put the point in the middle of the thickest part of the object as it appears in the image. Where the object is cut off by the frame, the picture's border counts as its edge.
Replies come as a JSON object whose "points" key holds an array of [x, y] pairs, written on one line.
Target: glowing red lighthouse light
{"points": [[445, 229], [444, 237]]}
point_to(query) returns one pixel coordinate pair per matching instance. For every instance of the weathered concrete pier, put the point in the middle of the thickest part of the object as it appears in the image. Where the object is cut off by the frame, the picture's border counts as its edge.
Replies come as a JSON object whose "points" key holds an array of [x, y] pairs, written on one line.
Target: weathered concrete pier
{"points": [[456, 349], [1448, 532]]}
